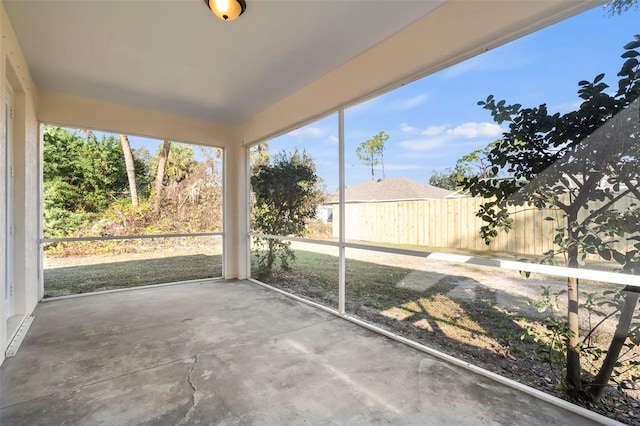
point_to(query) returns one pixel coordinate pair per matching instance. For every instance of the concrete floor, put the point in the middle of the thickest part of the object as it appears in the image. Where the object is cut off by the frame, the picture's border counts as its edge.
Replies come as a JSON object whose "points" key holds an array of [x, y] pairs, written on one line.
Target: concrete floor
{"points": [[235, 353]]}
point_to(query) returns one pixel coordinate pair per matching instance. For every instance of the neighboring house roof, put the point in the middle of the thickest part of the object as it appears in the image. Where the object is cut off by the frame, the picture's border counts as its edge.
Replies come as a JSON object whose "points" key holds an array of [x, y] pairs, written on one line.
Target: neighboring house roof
{"points": [[392, 189]]}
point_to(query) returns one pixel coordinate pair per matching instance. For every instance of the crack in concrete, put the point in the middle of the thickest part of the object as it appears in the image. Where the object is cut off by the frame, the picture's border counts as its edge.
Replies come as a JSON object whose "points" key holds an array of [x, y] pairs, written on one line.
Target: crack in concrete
{"points": [[190, 380], [80, 387], [194, 395]]}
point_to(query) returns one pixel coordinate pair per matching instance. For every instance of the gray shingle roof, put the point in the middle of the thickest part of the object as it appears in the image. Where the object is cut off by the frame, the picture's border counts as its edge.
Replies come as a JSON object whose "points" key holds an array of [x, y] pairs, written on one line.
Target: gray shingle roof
{"points": [[398, 188]]}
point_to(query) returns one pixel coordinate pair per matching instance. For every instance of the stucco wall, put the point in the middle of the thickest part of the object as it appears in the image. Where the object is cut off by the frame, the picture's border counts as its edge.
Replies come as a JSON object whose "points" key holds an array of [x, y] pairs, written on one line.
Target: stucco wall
{"points": [[15, 73], [72, 111]]}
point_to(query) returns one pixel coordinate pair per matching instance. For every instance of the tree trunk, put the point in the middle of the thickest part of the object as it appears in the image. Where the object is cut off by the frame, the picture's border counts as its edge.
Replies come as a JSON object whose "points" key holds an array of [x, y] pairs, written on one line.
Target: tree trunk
{"points": [[573, 355], [573, 382], [271, 258], [260, 156], [373, 176], [157, 186], [601, 380], [131, 169]]}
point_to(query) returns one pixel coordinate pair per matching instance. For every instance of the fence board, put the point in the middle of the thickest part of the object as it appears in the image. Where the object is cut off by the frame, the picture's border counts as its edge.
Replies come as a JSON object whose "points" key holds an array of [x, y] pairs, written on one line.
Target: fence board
{"points": [[452, 223]]}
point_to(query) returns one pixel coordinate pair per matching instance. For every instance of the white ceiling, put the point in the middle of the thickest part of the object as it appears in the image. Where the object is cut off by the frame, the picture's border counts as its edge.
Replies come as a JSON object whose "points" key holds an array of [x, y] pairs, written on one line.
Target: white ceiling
{"points": [[176, 57]]}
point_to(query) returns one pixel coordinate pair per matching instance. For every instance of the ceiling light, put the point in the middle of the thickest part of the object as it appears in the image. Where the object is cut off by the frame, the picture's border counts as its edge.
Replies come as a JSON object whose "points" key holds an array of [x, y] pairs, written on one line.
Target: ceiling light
{"points": [[227, 10]]}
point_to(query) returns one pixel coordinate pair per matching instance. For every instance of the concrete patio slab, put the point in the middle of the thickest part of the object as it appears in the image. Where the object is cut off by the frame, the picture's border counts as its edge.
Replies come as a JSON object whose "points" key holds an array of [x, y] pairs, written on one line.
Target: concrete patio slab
{"points": [[232, 352]]}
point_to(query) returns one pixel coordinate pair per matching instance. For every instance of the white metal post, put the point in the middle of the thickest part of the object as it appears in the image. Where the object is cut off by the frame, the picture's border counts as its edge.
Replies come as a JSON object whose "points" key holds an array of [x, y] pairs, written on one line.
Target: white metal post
{"points": [[247, 218], [40, 211], [341, 218]]}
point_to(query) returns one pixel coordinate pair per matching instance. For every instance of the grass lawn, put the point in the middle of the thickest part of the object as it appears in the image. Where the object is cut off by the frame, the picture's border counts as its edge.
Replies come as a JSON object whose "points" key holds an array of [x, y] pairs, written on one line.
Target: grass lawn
{"points": [[63, 276], [422, 305]]}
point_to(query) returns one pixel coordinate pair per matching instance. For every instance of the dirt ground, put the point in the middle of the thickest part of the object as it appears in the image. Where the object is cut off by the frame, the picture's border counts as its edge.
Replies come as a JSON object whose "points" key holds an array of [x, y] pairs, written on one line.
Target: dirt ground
{"points": [[509, 288], [51, 262]]}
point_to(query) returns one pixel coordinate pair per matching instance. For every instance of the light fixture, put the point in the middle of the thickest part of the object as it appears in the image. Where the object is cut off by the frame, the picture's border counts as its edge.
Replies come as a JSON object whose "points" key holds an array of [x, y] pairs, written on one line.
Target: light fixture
{"points": [[227, 10]]}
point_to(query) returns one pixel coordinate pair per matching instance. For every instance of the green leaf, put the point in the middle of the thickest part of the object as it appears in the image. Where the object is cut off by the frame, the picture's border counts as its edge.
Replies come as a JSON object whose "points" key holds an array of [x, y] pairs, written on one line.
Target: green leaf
{"points": [[604, 253], [628, 66], [630, 54], [632, 45], [618, 257]]}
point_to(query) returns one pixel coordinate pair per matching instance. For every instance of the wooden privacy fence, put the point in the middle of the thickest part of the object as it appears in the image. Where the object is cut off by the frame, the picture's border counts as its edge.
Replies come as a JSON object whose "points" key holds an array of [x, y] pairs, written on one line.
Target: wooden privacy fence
{"points": [[452, 223]]}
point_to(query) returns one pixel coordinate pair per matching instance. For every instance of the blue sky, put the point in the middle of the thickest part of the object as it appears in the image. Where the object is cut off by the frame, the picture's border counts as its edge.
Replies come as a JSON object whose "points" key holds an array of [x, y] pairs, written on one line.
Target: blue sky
{"points": [[434, 121]]}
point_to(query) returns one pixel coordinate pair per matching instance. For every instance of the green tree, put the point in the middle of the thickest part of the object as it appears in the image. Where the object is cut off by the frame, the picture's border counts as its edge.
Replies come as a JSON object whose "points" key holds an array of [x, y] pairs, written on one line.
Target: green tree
{"points": [[180, 162], [286, 192], [62, 168], [447, 179], [82, 177], [578, 164], [131, 170], [104, 172], [174, 165], [259, 154], [142, 159], [162, 156], [473, 164], [616, 7], [371, 152]]}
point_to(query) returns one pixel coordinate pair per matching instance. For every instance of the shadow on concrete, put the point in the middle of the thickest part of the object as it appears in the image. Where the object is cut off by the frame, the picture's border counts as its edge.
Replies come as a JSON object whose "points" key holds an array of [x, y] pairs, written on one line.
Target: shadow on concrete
{"points": [[232, 352], [456, 314]]}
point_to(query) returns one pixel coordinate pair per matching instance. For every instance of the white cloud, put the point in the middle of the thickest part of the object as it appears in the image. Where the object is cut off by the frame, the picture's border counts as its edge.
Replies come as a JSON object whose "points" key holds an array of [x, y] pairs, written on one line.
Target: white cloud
{"points": [[314, 132], [424, 144], [434, 131], [438, 136], [332, 140], [476, 130], [407, 104], [404, 127]]}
